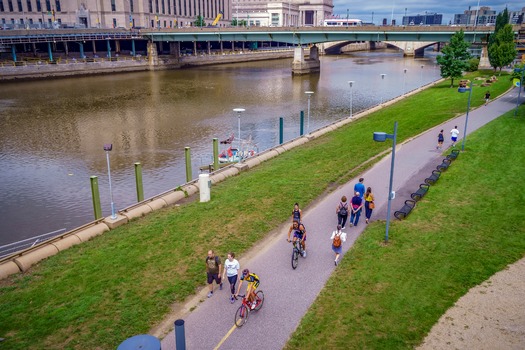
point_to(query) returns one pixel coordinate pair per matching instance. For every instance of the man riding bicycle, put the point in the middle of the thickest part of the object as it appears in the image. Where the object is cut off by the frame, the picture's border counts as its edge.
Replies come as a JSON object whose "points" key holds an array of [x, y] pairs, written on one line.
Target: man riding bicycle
{"points": [[253, 283], [299, 233]]}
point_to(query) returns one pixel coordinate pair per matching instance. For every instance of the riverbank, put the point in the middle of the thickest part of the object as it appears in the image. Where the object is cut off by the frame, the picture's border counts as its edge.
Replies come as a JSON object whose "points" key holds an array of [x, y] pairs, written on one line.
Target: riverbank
{"points": [[138, 259]]}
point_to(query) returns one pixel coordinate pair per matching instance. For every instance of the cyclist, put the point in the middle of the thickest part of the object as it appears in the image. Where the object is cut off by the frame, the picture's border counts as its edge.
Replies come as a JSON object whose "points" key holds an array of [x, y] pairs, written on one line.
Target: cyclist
{"points": [[299, 232], [253, 283]]}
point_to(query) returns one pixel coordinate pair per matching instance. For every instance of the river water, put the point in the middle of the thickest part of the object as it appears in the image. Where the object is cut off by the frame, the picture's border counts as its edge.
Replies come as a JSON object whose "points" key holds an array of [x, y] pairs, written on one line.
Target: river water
{"points": [[52, 132]]}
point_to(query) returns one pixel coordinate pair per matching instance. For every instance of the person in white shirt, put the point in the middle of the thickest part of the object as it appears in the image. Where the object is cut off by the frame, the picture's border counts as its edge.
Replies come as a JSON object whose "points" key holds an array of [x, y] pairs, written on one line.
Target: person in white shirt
{"points": [[337, 238], [454, 135], [231, 269]]}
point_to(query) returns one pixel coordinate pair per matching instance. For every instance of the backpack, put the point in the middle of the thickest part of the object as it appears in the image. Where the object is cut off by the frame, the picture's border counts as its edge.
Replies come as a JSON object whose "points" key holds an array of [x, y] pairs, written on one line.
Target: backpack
{"points": [[343, 208], [337, 240]]}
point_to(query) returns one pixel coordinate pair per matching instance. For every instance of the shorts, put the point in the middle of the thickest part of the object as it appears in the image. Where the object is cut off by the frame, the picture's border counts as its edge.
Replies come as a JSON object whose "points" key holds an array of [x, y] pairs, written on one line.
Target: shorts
{"points": [[337, 250], [253, 285], [299, 236], [454, 138], [213, 276]]}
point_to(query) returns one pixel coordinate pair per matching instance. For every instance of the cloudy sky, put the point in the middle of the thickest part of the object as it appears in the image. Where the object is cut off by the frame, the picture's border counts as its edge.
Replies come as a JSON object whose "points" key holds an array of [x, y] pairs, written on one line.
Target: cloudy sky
{"points": [[363, 9]]}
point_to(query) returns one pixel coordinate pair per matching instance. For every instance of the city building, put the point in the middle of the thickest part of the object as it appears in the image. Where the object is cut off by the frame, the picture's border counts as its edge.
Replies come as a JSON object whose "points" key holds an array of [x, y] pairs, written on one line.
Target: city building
{"points": [[517, 17], [426, 19], [29, 14], [484, 16]]}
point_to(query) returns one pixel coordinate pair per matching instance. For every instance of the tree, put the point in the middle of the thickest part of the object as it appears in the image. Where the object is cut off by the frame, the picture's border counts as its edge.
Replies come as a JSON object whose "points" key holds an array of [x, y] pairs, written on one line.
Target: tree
{"points": [[455, 58], [199, 22], [501, 47]]}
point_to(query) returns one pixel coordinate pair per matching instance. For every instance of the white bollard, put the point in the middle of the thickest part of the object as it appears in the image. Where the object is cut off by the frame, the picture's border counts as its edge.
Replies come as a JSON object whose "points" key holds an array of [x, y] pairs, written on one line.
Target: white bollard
{"points": [[204, 187]]}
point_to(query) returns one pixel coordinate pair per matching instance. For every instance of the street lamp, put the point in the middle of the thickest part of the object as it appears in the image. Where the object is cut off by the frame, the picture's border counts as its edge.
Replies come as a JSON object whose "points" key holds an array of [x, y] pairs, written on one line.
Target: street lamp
{"points": [[382, 78], [351, 83], [404, 81], [239, 111], [520, 86], [422, 66], [347, 10], [462, 90], [108, 147], [381, 137], [309, 93]]}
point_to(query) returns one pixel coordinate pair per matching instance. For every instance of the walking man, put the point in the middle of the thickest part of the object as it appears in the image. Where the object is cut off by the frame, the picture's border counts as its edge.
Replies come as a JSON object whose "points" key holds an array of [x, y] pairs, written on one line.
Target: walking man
{"points": [[454, 135], [487, 97], [360, 187], [213, 271]]}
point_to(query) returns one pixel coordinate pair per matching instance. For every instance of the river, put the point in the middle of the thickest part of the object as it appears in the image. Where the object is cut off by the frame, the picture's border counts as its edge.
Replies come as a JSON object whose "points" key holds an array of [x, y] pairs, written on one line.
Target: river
{"points": [[52, 132]]}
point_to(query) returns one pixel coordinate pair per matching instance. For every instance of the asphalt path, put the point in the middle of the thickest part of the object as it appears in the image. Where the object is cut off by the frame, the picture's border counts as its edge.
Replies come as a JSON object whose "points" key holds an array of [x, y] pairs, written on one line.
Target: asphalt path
{"points": [[289, 293]]}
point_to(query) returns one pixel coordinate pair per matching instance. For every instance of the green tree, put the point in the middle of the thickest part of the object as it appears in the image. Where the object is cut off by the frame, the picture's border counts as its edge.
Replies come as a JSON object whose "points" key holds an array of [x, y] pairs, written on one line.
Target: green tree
{"points": [[455, 58], [199, 22], [501, 47]]}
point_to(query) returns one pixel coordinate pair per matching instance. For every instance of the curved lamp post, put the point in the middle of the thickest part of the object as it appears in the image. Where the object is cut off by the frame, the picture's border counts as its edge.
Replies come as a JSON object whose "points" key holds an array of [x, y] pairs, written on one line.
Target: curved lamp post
{"points": [[463, 90], [351, 83], [239, 111], [404, 81], [422, 66], [108, 147], [382, 137], [382, 79], [309, 93]]}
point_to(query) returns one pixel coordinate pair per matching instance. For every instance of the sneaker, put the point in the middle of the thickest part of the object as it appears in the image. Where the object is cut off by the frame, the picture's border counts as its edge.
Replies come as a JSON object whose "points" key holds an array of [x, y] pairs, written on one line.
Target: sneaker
{"points": [[254, 304], [232, 300], [335, 262], [366, 221], [343, 228], [351, 225], [304, 253], [210, 294], [220, 286]]}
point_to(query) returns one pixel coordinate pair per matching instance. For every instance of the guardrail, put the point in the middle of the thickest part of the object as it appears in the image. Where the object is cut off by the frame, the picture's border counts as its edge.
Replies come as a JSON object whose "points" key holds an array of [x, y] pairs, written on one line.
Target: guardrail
{"points": [[30, 61]]}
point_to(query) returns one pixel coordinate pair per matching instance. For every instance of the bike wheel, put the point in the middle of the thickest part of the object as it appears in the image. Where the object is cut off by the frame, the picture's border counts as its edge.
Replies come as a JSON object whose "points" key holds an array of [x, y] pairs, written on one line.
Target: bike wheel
{"points": [[241, 316], [295, 258], [260, 300]]}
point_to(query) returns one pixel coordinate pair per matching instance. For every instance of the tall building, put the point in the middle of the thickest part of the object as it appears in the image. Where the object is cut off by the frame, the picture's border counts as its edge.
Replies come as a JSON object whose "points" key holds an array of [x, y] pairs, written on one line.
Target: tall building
{"points": [[426, 19], [483, 16], [517, 17]]}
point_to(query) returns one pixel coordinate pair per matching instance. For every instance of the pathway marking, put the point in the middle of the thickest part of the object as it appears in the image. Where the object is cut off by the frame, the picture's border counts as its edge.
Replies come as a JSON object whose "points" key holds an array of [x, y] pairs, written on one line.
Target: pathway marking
{"points": [[225, 337]]}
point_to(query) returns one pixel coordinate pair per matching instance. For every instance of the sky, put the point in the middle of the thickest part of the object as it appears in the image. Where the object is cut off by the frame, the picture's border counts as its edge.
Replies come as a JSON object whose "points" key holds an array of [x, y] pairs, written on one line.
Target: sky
{"points": [[362, 9]]}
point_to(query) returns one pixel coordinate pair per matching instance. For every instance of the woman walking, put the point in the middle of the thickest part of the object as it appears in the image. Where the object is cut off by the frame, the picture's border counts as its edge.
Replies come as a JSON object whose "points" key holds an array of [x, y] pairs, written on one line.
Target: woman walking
{"points": [[231, 269], [342, 212], [369, 203], [337, 238]]}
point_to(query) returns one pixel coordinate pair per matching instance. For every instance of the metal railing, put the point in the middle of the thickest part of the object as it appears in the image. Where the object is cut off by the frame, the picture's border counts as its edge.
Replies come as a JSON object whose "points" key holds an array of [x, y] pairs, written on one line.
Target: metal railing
{"points": [[11, 248]]}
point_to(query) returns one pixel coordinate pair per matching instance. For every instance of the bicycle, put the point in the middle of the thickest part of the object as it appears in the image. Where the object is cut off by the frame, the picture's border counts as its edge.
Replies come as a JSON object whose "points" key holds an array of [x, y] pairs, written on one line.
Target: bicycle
{"points": [[241, 316], [296, 251]]}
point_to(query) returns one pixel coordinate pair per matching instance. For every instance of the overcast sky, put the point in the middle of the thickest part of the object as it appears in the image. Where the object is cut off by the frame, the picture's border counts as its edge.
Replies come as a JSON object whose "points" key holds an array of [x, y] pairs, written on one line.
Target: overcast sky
{"points": [[362, 9]]}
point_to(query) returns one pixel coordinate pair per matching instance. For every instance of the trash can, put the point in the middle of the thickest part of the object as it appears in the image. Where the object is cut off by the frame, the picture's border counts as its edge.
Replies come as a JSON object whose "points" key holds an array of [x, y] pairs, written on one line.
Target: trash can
{"points": [[140, 342]]}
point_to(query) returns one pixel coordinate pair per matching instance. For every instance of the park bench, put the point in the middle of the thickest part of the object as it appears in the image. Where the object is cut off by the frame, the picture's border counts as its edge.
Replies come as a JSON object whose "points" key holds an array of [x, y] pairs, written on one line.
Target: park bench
{"points": [[407, 208], [444, 165], [420, 193], [453, 155], [433, 178]]}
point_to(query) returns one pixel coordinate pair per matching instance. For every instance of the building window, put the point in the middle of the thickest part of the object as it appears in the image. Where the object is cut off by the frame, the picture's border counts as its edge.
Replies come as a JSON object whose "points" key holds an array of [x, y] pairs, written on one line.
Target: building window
{"points": [[113, 6], [10, 5], [48, 5], [114, 23], [2, 7], [169, 9], [57, 5], [131, 6], [29, 7], [163, 8], [156, 6], [19, 3], [185, 8]]}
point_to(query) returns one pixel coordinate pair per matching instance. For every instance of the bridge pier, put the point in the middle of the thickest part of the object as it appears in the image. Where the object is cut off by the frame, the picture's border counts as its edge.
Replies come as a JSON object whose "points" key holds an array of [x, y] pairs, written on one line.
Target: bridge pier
{"points": [[301, 65], [152, 54], [484, 62]]}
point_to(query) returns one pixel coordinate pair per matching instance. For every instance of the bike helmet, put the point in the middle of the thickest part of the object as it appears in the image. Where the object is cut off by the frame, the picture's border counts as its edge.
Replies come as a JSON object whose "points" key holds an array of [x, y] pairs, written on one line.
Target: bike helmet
{"points": [[245, 272]]}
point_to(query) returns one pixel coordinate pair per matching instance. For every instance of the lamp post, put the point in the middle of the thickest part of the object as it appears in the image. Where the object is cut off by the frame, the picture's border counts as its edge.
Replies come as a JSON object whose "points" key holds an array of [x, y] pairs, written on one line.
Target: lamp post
{"points": [[239, 111], [462, 90], [309, 93], [422, 66], [347, 10], [372, 17], [351, 83], [381, 137], [404, 81], [382, 92], [108, 147], [520, 86]]}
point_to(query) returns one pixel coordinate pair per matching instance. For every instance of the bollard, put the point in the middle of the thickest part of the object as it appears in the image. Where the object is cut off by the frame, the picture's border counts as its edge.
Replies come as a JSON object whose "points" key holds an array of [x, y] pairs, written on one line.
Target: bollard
{"points": [[96, 197], [204, 187], [138, 182], [301, 122], [188, 163], [140, 342], [180, 338], [216, 165], [281, 128]]}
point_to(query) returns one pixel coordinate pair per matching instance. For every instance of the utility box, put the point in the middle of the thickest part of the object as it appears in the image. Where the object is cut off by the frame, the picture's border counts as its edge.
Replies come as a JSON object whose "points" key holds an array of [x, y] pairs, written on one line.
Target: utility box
{"points": [[204, 187]]}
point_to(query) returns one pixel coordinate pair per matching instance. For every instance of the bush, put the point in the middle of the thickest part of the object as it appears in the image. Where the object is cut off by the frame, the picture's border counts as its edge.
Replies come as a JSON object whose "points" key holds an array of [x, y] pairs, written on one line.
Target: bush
{"points": [[473, 64]]}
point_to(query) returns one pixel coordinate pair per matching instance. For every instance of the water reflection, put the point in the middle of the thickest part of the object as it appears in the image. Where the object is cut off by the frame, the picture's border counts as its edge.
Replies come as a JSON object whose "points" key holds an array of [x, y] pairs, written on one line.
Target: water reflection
{"points": [[52, 132]]}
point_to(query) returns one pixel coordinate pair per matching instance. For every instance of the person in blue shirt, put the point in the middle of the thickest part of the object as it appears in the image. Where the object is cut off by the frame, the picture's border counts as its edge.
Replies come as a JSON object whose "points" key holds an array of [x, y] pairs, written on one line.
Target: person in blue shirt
{"points": [[360, 187]]}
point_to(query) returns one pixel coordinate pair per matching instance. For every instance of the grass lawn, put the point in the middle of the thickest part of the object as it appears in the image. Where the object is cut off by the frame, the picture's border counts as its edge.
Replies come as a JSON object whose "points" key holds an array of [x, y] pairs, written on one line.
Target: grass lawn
{"points": [[97, 294], [468, 227]]}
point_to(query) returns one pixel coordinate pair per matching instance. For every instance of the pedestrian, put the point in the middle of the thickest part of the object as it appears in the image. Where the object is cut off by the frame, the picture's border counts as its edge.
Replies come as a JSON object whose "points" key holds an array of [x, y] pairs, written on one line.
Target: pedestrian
{"points": [[487, 97], [441, 138], [454, 135], [296, 213], [357, 205], [337, 238], [342, 211], [360, 187], [369, 204], [213, 271], [231, 270]]}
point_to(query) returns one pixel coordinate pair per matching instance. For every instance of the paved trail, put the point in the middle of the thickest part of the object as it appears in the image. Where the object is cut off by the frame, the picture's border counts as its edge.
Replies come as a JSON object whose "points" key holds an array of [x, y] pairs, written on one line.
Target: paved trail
{"points": [[289, 293]]}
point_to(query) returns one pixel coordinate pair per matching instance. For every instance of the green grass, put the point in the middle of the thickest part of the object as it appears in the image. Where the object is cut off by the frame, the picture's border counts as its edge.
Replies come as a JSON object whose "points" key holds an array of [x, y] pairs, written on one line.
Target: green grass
{"points": [[95, 295], [469, 226]]}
